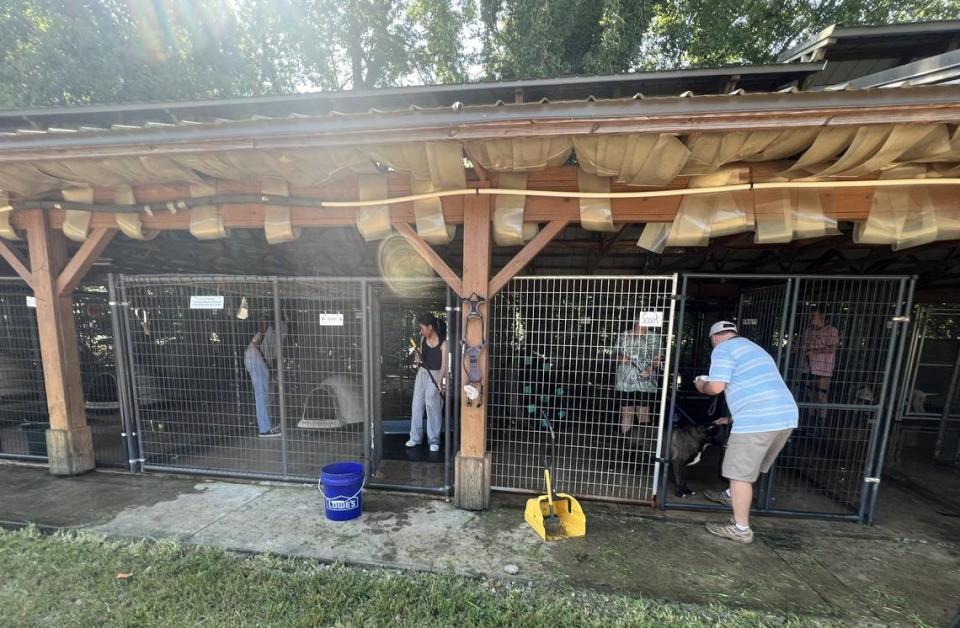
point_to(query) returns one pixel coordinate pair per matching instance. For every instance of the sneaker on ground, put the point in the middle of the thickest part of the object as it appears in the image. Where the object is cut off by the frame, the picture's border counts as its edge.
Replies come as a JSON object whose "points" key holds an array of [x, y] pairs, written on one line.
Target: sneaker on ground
{"points": [[719, 497], [434, 448], [412, 443], [273, 433], [731, 531]]}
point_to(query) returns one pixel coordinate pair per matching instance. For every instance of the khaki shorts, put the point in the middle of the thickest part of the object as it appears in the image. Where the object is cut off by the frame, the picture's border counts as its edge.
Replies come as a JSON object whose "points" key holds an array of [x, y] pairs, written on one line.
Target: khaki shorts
{"points": [[748, 455]]}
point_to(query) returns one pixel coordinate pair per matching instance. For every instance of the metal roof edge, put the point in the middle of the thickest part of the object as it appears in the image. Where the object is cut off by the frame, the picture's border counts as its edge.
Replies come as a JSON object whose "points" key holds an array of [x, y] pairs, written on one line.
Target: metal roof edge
{"points": [[659, 114], [930, 68], [837, 31], [414, 90]]}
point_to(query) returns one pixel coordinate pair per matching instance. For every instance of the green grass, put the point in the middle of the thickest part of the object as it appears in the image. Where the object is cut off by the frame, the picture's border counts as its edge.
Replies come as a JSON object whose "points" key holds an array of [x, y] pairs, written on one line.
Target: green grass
{"points": [[71, 580]]}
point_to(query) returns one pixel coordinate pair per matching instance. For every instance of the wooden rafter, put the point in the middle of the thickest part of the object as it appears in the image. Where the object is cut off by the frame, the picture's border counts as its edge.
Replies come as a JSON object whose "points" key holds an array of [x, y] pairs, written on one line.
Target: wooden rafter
{"points": [[17, 263], [430, 256], [83, 259], [526, 255]]}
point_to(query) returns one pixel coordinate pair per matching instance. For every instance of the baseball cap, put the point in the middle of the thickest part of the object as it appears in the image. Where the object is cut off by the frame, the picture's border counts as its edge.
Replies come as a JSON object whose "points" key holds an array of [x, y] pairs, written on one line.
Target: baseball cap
{"points": [[721, 326]]}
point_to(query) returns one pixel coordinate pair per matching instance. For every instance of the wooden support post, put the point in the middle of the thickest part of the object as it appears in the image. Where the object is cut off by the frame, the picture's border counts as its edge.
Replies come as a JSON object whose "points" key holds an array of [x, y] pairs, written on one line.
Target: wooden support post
{"points": [[69, 440], [473, 462]]}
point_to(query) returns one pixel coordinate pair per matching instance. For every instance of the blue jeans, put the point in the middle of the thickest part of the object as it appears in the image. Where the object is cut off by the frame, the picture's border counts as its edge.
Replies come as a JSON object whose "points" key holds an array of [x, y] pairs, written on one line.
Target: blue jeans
{"points": [[426, 397], [260, 376]]}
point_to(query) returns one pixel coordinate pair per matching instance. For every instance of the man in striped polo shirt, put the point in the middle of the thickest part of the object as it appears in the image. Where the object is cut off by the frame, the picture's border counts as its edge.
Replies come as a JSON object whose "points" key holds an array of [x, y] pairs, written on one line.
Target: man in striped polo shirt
{"points": [[764, 414]]}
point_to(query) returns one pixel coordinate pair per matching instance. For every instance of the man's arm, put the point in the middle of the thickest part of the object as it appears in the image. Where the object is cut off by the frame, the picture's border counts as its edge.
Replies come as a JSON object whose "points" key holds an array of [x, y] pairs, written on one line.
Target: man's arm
{"points": [[710, 388]]}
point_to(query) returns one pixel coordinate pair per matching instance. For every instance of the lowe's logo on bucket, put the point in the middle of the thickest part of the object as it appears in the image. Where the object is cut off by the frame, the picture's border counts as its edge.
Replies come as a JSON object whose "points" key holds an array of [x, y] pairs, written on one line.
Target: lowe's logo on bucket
{"points": [[342, 503]]}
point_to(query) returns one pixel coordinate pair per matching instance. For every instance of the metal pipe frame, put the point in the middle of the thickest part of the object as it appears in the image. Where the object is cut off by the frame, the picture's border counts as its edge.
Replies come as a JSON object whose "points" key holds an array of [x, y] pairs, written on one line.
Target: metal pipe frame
{"points": [[129, 425], [135, 396], [884, 430]]}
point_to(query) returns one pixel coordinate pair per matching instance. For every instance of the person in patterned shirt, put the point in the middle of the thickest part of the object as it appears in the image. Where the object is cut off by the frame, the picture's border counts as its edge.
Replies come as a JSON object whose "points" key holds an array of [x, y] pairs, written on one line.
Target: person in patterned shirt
{"points": [[639, 358], [819, 347]]}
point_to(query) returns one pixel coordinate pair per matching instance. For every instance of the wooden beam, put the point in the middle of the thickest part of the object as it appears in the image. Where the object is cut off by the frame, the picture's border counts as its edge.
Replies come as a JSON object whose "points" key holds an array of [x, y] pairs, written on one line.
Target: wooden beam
{"points": [[845, 204], [526, 254], [473, 464], [69, 440], [83, 259], [430, 257], [18, 264]]}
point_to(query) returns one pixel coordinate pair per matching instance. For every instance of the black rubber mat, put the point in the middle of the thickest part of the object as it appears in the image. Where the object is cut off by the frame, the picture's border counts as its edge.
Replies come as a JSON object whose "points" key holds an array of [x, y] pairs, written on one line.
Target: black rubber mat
{"points": [[394, 448]]}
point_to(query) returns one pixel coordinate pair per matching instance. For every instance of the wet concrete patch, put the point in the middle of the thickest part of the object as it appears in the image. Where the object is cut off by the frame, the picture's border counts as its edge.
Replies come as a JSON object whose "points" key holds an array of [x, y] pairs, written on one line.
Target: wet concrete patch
{"points": [[185, 515], [32, 495]]}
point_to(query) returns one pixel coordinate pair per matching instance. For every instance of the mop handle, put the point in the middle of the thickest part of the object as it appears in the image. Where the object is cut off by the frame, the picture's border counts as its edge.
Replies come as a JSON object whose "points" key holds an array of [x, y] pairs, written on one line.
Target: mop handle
{"points": [[546, 476]]}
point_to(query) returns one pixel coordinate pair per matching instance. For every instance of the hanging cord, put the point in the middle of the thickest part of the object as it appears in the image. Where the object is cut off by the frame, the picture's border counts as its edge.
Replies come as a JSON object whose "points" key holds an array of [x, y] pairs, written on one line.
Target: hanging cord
{"points": [[290, 201]]}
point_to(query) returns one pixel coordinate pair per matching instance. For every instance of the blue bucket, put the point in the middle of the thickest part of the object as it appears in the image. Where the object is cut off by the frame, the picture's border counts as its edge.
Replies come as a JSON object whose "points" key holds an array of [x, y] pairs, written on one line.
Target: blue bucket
{"points": [[341, 484]]}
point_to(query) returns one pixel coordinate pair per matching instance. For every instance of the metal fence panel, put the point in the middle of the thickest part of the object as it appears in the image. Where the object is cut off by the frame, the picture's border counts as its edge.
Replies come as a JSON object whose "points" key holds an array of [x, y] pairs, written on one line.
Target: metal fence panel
{"points": [[554, 360], [193, 398], [928, 412], [24, 416], [324, 384], [333, 374], [837, 341]]}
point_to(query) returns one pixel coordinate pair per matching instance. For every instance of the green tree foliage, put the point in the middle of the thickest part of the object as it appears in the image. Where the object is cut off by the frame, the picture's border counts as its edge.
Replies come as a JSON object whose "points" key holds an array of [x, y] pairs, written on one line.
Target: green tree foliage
{"points": [[85, 51], [82, 51], [701, 33], [536, 38]]}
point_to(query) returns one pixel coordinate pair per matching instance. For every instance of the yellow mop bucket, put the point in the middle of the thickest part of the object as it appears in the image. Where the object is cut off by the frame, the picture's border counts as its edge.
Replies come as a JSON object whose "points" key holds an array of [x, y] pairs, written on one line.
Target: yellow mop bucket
{"points": [[555, 517]]}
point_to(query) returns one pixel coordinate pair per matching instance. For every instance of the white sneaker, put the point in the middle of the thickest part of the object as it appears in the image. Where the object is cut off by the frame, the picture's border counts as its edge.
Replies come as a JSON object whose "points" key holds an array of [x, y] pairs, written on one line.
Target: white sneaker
{"points": [[412, 443], [434, 448]]}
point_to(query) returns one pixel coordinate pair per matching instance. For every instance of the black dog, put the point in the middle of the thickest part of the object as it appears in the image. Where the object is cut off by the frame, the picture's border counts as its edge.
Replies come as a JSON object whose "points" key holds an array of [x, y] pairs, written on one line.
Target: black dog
{"points": [[687, 443]]}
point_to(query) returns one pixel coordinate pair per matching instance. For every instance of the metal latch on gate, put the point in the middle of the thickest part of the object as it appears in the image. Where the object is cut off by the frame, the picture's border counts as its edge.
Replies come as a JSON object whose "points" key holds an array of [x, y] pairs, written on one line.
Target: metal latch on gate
{"points": [[901, 319], [871, 480]]}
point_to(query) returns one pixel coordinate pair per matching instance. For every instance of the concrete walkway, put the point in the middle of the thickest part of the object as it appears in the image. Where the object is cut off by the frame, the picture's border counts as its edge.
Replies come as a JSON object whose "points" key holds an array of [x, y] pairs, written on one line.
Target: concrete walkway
{"points": [[905, 569]]}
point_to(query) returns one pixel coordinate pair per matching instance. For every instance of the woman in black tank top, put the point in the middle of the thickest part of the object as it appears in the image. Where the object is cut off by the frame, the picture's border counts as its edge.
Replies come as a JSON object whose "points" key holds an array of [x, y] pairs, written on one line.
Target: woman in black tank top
{"points": [[427, 395]]}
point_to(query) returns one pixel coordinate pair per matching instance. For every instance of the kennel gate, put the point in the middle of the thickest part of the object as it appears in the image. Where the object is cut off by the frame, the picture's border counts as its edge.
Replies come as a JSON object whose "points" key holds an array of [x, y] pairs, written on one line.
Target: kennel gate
{"points": [[831, 466], [553, 361], [929, 404], [194, 403], [24, 415]]}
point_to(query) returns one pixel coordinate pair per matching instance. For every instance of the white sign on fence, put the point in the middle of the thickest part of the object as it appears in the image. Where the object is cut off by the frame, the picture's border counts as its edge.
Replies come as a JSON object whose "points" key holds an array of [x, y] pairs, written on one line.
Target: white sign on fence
{"points": [[31, 301], [200, 302], [650, 319], [749, 322], [331, 319]]}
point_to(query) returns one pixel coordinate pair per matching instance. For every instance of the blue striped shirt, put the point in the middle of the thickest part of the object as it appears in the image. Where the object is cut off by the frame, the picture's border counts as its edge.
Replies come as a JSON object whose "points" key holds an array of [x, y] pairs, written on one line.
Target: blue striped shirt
{"points": [[758, 399]]}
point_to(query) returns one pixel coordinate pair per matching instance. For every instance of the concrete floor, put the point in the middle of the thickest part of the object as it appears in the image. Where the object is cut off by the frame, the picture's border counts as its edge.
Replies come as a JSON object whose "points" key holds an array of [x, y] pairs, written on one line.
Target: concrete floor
{"points": [[904, 569]]}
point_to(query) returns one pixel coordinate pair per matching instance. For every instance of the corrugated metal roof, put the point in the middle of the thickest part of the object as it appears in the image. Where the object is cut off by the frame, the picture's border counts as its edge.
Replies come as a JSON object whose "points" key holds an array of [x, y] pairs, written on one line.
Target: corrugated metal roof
{"points": [[662, 114], [755, 78], [901, 41]]}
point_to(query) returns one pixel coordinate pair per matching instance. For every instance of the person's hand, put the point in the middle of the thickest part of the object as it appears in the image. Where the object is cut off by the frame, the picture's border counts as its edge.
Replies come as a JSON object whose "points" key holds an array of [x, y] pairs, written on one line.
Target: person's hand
{"points": [[724, 420]]}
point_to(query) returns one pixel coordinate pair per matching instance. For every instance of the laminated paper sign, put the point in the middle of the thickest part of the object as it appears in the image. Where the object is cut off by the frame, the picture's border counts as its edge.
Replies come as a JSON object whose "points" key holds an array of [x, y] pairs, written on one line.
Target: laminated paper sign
{"points": [[334, 319], [650, 319], [206, 302]]}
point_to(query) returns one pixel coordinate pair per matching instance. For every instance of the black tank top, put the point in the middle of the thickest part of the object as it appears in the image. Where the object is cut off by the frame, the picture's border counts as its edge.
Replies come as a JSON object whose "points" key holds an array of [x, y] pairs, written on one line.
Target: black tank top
{"points": [[432, 356]]}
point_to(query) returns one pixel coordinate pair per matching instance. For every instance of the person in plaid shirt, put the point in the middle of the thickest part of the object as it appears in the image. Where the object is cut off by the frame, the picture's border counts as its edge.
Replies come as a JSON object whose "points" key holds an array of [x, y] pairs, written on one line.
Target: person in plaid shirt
{"points": [[820, 342]]}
